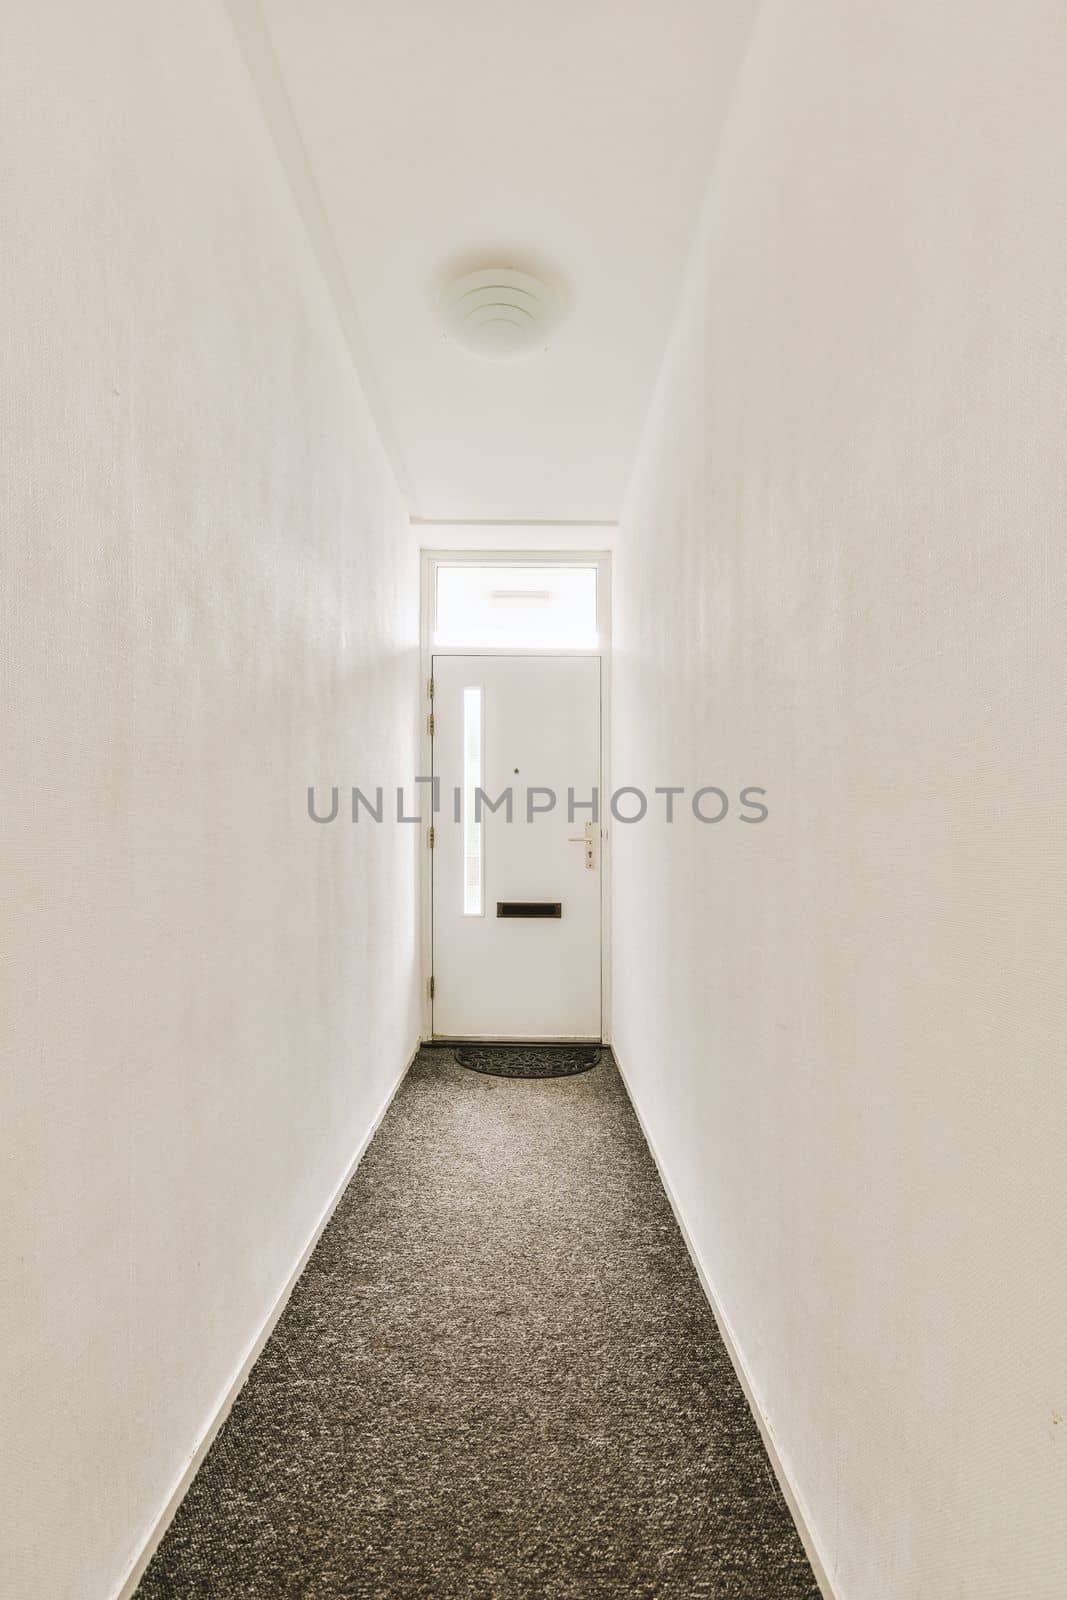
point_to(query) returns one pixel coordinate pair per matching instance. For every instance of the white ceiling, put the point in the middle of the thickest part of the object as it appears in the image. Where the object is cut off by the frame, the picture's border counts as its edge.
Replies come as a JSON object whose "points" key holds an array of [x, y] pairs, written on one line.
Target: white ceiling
{"points": [[576, 133]]}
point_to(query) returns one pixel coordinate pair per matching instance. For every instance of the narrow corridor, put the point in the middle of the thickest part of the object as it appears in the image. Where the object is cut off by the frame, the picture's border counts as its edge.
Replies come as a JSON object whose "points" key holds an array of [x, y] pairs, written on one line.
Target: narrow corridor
{"points": [[498, 1377]]}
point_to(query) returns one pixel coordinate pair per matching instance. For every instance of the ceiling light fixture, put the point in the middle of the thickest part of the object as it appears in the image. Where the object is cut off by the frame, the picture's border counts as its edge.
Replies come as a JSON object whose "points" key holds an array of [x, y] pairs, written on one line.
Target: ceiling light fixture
{"points": [[500, 312]]}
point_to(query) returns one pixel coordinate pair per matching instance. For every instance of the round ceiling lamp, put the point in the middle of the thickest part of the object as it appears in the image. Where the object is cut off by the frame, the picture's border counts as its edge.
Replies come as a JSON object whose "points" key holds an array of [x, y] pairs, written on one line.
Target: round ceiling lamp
{"points": [[500, 312]]}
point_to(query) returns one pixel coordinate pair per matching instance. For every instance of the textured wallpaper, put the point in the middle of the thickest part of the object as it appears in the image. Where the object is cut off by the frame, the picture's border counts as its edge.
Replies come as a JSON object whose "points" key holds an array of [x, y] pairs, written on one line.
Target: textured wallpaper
{"points": [[208, 601], [842, 576]]}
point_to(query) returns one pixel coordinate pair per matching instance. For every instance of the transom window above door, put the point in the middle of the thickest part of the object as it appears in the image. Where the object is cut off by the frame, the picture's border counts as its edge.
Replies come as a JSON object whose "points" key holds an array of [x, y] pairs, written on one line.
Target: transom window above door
{"points": [[516, 607]]}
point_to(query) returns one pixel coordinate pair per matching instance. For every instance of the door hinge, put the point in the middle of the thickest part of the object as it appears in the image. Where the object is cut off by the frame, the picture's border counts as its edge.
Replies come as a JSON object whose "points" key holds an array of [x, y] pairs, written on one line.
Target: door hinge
{"points": [[432, 837], [430, 724], [433, 985], [429, 689]]}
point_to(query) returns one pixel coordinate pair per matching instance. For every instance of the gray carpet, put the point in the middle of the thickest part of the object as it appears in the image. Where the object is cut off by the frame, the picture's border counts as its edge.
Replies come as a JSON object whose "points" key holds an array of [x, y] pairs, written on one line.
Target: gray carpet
{"points": [[498, 1379]]}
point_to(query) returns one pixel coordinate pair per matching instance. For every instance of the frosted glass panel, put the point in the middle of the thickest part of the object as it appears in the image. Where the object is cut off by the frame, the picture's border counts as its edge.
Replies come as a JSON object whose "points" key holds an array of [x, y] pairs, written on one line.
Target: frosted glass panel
{"points": [[473, 900], [516, 608]]}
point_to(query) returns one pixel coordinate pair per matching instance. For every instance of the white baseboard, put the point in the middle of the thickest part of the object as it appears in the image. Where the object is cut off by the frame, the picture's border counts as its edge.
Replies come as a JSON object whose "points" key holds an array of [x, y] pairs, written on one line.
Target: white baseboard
{"points": [[793, 1499], [136, 1570]]}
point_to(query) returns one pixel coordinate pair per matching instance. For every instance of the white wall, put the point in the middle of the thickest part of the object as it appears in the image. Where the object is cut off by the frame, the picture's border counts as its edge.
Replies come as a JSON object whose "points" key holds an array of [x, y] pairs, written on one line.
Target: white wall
{"points": [[842, 575], [518, 536], [209, 601]]}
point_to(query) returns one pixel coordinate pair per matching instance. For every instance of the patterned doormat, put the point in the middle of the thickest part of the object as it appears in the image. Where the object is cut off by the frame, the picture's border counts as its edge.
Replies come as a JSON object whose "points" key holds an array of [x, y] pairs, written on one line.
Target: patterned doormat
{"points": [[528, 1060]]}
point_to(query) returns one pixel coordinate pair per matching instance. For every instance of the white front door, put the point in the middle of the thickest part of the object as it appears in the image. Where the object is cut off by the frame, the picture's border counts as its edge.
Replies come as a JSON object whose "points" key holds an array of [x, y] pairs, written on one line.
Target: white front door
{"points": [[516, 905]]}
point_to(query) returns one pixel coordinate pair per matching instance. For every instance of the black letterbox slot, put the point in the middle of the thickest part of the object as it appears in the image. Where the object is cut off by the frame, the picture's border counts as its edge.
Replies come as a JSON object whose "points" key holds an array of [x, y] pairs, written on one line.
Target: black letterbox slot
{"points": [[529, 908]]}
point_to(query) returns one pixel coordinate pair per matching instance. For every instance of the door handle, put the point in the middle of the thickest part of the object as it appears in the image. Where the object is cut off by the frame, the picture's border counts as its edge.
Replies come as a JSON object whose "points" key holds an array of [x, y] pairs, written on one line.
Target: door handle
{"points": [[587, 839]]}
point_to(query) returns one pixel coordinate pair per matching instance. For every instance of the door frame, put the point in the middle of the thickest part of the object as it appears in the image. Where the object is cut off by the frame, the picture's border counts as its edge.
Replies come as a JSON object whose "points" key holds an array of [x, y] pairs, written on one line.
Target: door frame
{"points": [[430, 560]]}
